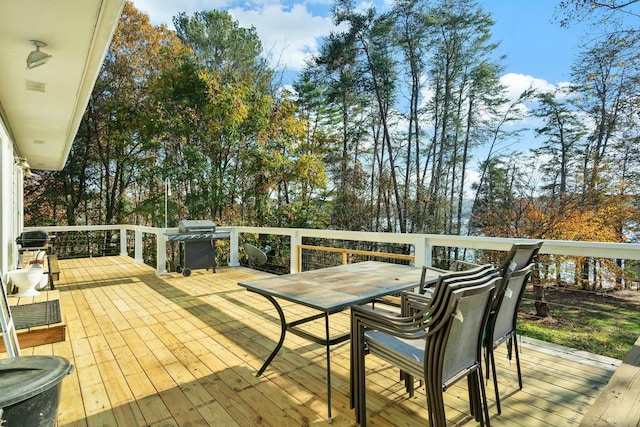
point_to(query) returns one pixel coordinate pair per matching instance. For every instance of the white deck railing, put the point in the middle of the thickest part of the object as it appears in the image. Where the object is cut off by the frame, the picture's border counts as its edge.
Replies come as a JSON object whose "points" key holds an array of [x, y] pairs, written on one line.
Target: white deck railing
{"points": [[422, 243]]}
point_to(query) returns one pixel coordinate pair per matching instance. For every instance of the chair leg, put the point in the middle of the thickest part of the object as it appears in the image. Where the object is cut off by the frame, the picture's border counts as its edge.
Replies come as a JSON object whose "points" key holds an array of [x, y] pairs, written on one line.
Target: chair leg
{"points": [[437, 412], [435, 403], [487, 355], [353, 353], [483, 393], [515, 345], [361, 405], [495, 382], [355, 380], [472, 388]]}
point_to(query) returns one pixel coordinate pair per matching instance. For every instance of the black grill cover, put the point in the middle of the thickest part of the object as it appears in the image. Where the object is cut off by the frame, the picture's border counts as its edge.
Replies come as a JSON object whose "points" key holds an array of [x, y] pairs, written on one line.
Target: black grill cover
{"points": [[33, 239]]}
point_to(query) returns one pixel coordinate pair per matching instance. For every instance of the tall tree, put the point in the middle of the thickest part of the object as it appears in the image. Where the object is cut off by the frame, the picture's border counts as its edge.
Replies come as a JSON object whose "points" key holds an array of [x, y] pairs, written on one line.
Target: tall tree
{"points": [[335, 67], [410, 27], [606, 77], [246, 137], [369, 34], [562, 131], [465, 87]]}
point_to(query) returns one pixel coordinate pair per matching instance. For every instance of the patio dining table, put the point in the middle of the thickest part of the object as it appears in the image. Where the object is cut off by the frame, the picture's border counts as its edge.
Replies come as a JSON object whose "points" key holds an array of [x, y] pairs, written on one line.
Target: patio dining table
{"points": [[329, 291]]}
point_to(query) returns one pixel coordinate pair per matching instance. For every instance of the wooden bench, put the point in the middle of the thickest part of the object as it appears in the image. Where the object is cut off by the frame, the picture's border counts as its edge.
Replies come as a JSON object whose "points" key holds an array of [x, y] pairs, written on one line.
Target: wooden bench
{"points": [[617, 404], [53, 269]]}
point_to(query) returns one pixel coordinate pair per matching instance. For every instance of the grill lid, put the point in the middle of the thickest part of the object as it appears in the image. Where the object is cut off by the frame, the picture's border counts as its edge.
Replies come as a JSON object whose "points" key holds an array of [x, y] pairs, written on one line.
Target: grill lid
{"points": [[33, 239], [196, 226]]}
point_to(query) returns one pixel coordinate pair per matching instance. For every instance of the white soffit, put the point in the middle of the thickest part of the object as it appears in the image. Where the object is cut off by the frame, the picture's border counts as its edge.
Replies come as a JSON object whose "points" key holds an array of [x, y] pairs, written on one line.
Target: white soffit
{"points": [[42, 107]]}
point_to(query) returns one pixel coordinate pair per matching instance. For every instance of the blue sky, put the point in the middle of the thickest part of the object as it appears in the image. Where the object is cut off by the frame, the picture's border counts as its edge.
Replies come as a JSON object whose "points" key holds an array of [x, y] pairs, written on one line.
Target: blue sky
{"points": [[534, 45]]}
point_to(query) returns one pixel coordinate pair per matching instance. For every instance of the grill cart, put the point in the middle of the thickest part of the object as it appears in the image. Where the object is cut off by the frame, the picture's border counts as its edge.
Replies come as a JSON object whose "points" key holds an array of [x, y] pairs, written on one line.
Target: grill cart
{"points": [[197, 245], [36, 244]]}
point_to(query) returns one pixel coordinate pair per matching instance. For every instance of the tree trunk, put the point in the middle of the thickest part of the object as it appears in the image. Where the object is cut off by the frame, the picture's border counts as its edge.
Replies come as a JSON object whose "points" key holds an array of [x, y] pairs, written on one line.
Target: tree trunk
{"points": [[542, 308]]}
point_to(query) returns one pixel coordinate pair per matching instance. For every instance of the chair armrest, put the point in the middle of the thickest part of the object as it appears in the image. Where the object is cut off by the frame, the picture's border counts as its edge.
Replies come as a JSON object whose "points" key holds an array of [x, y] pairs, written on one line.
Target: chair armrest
{"points": [[405, 327], [439, 270], [412, 302]]}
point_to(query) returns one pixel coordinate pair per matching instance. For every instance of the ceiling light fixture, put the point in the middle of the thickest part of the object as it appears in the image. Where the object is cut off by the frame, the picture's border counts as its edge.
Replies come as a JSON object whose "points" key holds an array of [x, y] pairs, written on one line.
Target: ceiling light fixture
{"points": [[37, 57]]}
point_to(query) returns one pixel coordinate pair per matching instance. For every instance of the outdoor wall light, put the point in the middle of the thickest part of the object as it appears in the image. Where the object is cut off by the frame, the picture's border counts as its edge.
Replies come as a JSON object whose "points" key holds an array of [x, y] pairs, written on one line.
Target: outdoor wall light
{"points": [[24, 165], [37, 57]]}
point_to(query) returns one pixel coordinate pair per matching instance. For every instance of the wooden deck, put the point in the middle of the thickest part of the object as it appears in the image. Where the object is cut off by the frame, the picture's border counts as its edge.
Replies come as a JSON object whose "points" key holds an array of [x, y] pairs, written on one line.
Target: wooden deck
{"points": [[170, 350]]}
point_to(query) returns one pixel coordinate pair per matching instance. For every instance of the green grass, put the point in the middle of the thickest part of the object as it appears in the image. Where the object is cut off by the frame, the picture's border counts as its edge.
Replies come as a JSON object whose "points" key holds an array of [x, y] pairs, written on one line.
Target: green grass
{"points": [[605, 324]]}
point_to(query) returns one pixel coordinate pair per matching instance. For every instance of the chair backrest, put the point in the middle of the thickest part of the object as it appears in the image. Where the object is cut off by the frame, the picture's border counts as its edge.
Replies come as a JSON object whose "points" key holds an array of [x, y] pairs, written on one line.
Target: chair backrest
{"points": [[503, 320], [6, 322], [449, 282], [457, 347], [522, 254], [451, 275]]}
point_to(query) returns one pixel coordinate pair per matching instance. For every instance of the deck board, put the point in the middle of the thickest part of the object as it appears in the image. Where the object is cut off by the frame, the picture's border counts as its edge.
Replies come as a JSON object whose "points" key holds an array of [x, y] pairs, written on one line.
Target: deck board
{"points": [[169, 350]]}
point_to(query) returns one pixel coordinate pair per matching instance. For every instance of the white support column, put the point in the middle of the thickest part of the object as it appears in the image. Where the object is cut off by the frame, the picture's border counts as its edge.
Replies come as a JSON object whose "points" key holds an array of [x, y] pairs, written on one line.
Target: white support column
{"points": [[420, 251], [137, 254], [161, 253], [123, 242], [296, 240], [427, 251], [234, 260]]}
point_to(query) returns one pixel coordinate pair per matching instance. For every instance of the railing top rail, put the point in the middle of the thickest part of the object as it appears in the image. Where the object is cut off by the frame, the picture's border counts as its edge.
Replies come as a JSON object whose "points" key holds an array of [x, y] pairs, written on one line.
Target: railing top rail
{"points": [[629, 251]]}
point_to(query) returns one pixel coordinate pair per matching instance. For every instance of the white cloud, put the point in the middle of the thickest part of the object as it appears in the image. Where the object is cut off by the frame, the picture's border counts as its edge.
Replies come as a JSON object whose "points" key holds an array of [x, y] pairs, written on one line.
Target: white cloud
{"points": [[516, 84], [289, 35], [163, 11]]}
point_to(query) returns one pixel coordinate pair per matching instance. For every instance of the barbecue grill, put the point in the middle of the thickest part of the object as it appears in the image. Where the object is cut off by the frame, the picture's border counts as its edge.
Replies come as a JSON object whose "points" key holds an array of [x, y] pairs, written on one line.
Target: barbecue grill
{"points": [[197, 245], [37, 244], [33, 239]]}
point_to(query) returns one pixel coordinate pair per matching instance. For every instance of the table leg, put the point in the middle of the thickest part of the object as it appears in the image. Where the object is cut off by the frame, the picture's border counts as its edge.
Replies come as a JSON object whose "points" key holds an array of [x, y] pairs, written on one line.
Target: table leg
{"points": [[327, 342], [283, 332]]}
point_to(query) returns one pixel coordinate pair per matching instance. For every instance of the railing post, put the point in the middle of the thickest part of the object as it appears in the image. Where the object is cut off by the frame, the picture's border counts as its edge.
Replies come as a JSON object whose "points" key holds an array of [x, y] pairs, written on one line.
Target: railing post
{"points": [[137, 253], [423, 251], [234, 259], [123, 242], [296, 240], [161, 252]]}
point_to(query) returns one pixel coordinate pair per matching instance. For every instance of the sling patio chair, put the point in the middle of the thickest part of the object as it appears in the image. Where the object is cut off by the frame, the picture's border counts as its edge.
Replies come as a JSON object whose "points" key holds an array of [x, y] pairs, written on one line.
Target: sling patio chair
{"points": [[502, 323], [441, 344]]}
